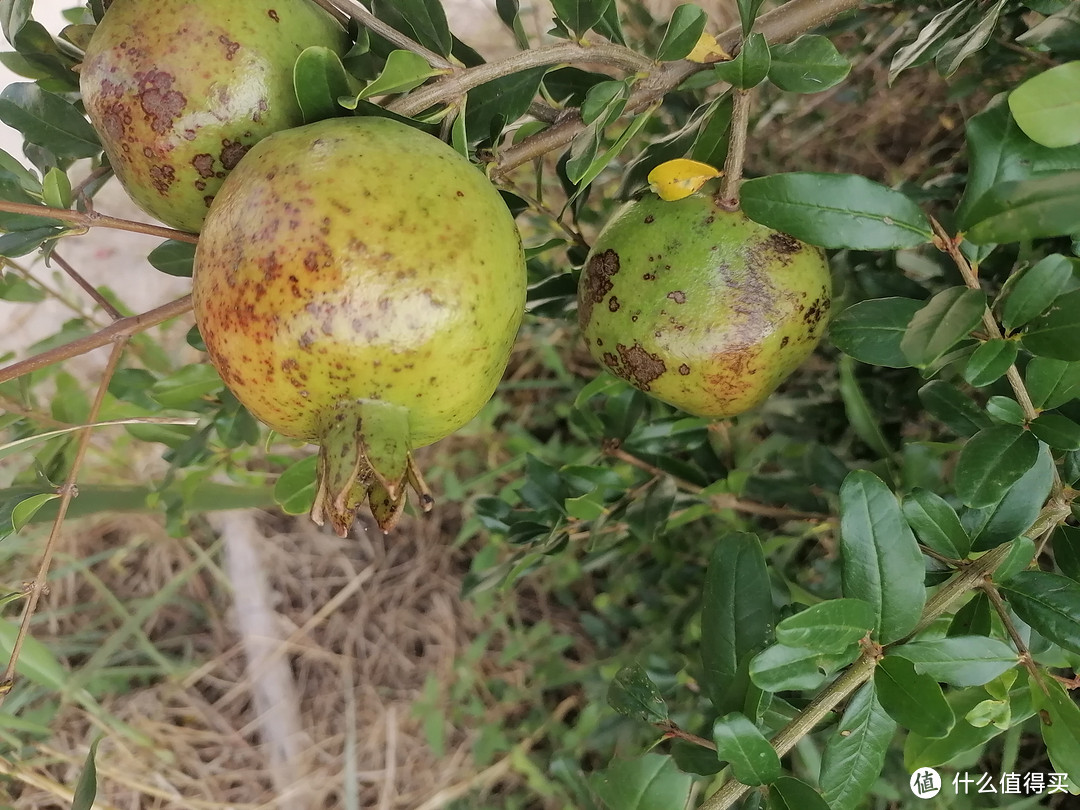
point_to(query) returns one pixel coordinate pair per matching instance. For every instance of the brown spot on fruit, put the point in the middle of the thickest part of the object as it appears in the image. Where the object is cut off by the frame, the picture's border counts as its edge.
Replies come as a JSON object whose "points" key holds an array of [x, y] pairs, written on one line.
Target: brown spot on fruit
{"points": [[159, 101], [613, 304], [783, 244], [273, 15], [230, 47], [162, 177], [597, 281], [684, 369], [784, 342], [635, 364], [678, 296], [231, 152], [204, 164], [650, 219]]}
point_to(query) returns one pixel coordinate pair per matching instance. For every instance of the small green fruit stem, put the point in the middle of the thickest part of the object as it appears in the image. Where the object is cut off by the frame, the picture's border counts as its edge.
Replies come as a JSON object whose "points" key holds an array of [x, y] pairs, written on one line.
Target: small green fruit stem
{"points": [[733, 164], [973, 576]]}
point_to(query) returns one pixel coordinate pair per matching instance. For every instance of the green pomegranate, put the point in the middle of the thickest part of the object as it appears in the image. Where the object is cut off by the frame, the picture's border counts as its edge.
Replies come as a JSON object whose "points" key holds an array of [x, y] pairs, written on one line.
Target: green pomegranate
{"points": [[359, 285], [179, 90], [699, 306]]}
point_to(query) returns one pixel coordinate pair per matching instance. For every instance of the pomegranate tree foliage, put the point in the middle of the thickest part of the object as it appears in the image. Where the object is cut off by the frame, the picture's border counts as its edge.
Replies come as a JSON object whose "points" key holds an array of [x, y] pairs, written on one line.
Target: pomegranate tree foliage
{"points": [[877, 564]]}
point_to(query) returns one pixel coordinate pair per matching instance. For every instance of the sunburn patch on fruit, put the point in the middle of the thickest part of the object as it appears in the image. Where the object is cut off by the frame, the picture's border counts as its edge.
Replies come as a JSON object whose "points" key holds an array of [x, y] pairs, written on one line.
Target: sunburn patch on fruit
{"points": [[699, 306], [179, 90], [359, 285]]}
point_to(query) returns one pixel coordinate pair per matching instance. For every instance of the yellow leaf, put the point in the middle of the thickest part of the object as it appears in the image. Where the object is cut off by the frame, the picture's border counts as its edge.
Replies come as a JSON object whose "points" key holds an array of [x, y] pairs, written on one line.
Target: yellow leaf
{"points": [[707, 51], [680, 178]]}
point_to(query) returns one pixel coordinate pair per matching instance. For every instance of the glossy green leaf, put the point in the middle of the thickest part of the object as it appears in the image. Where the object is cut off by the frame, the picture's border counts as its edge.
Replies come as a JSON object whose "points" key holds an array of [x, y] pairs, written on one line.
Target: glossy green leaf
{"points": [[187, 386], [748, 10], [24, 511], [86, 788], [174, 258], [1060, 725], [1017, 210], [880, 559], [810, 64], [914, 701], [992, 461], [404, 70], [319, 80], [1056, 334], [37, 663], [294, 490], [948, 318], [789, 793], [1047, 106], [649, 782], [19, 243], [780, 668], [828, 627], [501, 101], [835, 211], [1016, 511], [48, 120], [604, 102], [1056, 430], [1050, 603], [953, 407], [959, 660], [1021, 553], [1005, 409], [13, 16], [860, 415], [973, 619], [1035, 289], [989, 362], [736, 619], [954, 52], [1066, 546], [634, 694], [1051, 383], [683, 31], [1059, 33], [739, 743], [870, 331], [509, 13], [56, 188], [936, 524], [855, 753], [580, 15], [931, 38], [427, 21], [749, 67]]}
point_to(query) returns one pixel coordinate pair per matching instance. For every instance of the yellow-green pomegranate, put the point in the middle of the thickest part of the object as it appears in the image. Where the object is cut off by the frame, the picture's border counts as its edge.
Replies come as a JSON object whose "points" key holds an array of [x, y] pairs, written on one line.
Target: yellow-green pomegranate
{"points": [[359, 285], [179, 90], [699, 306]]}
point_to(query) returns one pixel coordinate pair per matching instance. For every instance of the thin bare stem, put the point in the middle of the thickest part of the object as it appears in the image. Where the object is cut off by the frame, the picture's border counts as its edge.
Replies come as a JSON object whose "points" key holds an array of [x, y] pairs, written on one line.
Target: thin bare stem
{"points": [[1021, 647], [90, 289], [672, 731], [117, 330], [90, 219], [356, 10], [733, 164], [68, 491]]}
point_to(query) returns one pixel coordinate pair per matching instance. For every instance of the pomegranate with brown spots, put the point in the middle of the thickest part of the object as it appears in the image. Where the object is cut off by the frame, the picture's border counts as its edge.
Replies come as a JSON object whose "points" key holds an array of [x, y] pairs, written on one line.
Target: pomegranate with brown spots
{"points": [[179, 90], [359, 285], [706, 310]]}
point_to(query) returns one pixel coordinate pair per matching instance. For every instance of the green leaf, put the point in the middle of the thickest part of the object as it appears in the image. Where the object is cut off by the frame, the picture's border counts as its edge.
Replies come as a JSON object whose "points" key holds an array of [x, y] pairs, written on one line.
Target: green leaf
{"points": [[1060, 32], [56, 188], [1067, 550], [1017, 210], [604, 102], [1021, 553], [19, 243], [959, 660], [86, 789], [954, 408], [810, 64], [948, 318], [404, 70], [855, 754], [1057, 333], [1050, 603], [990, 361], [19, 445], [870, 331], [427, 20], [294, 490], [48, 120], [862, 418], [501, 101], [1016, 512], [186, 386], [319, 80], [992, 461], [1060, 727], [509, 13], [37, 663], [789, 793], [1047, 106], [580, 15], [931, 37], [881, 563], [13, 16], [914, 701], [1056, 430], [780, 668], [953, 53], [749, 67], [634, 694], [973, 619], [828, 627], [835, 211], [174, 258], [738, 742], [1034, 290], [748, 10], [649, 782], [736, 618], [936, 524], [684, 29], [24, 511], [1051, 383]]}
